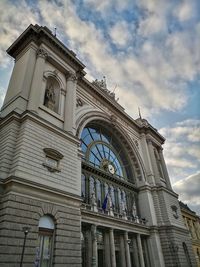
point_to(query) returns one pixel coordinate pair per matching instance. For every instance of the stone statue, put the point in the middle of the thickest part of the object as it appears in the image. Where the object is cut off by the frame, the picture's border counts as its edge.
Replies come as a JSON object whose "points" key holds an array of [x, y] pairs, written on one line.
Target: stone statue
{"points": [[123, 209], [110, 205], [134, 209], [50, 98], [93, 202]]}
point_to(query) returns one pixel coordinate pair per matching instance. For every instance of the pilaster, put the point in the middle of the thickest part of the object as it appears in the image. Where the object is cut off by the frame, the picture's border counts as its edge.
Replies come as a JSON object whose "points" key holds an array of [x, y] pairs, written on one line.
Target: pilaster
{"points": [[147, 160], [34, 96], [70, 103], [164, 168]]}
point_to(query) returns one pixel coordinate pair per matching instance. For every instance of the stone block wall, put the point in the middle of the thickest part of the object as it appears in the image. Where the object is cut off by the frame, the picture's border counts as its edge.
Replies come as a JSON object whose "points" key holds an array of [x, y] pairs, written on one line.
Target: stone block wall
{"points": [[17, 211]]}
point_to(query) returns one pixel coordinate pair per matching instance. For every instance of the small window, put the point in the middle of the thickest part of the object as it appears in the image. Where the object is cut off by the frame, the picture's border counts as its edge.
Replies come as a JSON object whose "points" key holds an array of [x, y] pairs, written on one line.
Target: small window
{"points": [[45, 242]]}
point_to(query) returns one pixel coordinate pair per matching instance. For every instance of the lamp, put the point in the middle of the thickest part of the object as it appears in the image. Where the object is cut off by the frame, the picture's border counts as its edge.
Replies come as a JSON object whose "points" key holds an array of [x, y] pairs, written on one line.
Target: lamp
{"points": [[25, 229]]}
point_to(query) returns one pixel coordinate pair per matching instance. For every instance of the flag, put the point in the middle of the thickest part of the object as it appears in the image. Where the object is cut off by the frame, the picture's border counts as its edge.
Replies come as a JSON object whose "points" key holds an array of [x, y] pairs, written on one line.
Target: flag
{"points": [[105, 202]]}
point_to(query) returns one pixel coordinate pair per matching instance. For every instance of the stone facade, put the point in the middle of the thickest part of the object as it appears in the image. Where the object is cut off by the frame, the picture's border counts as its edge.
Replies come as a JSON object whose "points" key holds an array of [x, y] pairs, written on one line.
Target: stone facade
{"points": [[81, 183], [192, 223]]}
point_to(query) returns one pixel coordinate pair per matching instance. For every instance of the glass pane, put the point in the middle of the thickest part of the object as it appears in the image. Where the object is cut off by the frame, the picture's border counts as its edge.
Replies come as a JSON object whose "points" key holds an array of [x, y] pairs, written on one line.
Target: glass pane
{"points": [[45, 250]]}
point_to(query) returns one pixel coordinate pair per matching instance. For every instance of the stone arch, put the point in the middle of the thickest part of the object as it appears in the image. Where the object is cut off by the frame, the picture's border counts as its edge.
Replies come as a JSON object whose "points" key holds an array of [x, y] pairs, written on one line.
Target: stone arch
{"points": [[101, 119]]}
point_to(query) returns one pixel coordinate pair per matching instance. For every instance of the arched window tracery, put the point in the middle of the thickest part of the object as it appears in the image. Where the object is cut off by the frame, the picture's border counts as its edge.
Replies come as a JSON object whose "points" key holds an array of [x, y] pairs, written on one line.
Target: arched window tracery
{"points": [[104, 154]]}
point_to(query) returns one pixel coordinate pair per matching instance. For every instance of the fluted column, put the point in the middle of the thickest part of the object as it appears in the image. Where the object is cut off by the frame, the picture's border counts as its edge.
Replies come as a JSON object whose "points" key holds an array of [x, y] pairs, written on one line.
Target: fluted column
{"points": [[94, 246], [35, 92], [140, 251], [70, 103], [112, 248], [164, 168], [122, 254], [127, 250]]}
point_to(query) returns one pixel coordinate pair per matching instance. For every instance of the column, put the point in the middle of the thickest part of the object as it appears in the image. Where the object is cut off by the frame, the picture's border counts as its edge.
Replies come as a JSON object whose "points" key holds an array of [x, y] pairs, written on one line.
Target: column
{"points": [[112, 248], [127, 251], [164, 168], [107, 249], [122, 254], [139, 244], [35, 92], [70, 104], [135, 252], [153, 161], [94, 246], [62, 102]]}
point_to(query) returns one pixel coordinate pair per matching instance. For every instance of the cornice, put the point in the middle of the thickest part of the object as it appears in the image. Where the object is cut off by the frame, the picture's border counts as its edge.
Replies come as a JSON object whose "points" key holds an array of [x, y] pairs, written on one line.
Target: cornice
{"points": [[35, 190], [112, 222], [40, 35], [28, 115]]}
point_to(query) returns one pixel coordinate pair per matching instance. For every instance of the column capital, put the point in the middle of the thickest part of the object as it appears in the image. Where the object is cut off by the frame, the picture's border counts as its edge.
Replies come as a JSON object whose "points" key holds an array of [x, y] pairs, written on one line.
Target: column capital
{"points": [[71, 76], [42, 53], [149, 141]]}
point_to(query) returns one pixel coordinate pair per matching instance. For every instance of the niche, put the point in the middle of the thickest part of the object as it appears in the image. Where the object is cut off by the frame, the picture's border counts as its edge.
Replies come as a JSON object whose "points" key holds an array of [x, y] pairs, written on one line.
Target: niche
{"points": [[52, 94]]}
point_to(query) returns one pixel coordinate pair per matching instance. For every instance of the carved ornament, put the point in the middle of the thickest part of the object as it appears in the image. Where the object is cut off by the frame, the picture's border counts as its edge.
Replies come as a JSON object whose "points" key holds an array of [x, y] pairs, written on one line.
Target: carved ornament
{"points": [[42, 53]]}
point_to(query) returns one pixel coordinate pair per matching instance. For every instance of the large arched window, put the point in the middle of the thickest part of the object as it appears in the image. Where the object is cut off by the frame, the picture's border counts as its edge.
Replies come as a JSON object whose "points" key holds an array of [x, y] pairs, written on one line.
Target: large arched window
{"points": [[108, 173], [103, 151]]}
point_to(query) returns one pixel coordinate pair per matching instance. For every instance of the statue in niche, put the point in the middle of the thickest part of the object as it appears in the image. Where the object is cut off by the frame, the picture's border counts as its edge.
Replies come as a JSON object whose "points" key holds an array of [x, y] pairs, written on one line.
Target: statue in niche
{"points": [[93, 202], [110, 205], [134, 209], [50, 98], [123, 209]]}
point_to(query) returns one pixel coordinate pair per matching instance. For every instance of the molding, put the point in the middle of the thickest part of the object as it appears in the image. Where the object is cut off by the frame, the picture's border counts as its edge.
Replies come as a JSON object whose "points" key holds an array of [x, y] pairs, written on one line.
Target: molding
{"points": [[28, 115], [112, 222], [35, 190]]}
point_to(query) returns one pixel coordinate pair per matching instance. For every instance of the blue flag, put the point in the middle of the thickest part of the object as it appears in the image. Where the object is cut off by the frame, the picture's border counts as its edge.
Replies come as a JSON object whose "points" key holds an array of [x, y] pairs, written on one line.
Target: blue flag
{"points": [[105, 202]]}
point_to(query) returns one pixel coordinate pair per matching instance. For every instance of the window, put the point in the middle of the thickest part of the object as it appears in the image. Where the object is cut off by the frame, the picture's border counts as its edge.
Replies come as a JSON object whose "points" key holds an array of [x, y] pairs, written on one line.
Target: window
{"points": [[103, 152], [45, 242], [107, 174]]}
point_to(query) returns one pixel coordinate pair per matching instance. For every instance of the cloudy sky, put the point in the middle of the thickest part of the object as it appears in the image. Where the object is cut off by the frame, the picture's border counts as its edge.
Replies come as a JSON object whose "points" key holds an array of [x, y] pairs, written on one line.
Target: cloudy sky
{"points": [[149, 50]]}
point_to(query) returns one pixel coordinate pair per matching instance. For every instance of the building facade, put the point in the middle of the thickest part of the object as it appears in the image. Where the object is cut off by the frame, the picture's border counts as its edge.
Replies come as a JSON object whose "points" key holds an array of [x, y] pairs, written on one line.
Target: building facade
{"points": [[192, 223], [81, 182]]}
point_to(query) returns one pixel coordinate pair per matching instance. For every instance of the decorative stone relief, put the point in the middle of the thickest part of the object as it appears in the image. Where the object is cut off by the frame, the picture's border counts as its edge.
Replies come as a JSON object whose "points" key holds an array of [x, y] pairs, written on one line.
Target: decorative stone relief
{"points": [[52, 161], [79, 102], [70, 76], [42, 53], [175, 211]]}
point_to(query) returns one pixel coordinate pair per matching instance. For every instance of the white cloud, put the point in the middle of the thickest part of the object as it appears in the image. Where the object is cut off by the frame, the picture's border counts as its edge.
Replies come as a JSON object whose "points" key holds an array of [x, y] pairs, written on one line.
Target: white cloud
{"points": [[14, 19], [2, 95], [189, 190], [182, 148], [153, 75], [120, 33], [184, 11], [151, 25]]}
